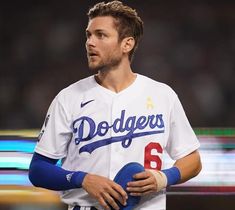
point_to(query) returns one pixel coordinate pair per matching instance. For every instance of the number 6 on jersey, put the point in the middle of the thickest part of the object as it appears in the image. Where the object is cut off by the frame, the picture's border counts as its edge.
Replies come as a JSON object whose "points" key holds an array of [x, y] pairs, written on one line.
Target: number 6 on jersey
{"points": [[152, 160]]}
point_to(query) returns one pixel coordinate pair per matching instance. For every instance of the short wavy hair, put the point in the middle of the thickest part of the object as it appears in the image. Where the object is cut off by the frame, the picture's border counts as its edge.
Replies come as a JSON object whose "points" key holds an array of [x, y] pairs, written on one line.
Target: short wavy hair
{"points": [[128, 23]]}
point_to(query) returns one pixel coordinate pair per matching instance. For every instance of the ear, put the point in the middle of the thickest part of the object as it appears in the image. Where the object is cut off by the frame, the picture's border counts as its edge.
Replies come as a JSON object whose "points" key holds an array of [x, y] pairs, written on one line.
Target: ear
{"points": [[128, 44]]}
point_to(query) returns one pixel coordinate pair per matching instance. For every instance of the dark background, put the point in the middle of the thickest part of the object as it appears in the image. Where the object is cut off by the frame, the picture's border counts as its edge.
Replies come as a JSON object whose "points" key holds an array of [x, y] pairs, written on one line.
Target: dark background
{"points": [[190, 45]]}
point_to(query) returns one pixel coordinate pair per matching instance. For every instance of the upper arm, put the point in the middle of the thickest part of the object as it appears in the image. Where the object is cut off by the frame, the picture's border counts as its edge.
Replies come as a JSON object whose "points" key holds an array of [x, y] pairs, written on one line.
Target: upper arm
{"points": [[182, 139], [38, 157], [56, 132]]}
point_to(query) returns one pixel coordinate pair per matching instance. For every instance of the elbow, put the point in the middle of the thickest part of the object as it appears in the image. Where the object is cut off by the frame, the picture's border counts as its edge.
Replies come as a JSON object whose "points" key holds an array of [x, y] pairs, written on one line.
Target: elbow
{"points": [[33, 175], [199, 167]]}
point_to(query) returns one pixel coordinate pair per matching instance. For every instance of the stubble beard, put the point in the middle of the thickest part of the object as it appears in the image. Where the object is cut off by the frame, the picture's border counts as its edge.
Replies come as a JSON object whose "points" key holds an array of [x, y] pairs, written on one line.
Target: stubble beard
{"points": [[109, 64]]}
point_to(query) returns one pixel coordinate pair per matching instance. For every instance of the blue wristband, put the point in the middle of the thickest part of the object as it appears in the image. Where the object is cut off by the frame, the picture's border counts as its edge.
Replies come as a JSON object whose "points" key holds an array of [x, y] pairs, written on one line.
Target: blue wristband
{"points": [[173, 175]]}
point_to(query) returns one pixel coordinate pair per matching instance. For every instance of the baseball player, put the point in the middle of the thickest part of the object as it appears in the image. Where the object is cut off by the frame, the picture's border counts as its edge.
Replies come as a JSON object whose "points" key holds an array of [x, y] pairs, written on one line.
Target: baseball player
{"points": [[100, 124]]}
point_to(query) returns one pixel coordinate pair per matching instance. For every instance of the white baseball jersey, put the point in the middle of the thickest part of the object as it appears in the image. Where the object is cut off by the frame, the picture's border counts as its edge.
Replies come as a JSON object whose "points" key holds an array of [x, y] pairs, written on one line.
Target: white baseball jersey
{"points": [[98, 131]]}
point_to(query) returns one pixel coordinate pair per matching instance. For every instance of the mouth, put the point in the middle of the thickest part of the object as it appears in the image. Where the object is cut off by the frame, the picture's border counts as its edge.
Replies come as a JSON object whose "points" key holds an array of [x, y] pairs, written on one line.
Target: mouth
{"points": [[92, 54]]}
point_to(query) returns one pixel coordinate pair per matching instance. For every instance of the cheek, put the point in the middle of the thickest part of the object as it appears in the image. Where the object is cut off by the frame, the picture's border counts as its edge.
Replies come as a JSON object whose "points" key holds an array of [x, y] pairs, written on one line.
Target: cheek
{"points": [[107, 51], [114, 50], [110, 50]]}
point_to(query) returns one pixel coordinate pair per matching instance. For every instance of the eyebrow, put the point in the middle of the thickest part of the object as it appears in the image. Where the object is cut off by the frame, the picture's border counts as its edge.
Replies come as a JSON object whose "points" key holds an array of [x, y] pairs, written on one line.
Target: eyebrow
{"points": [[97, 30]]}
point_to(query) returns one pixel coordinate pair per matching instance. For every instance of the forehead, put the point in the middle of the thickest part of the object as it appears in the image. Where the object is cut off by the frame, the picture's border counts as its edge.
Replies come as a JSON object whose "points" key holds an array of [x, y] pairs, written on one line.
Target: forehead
{"points": [[105, 23]]}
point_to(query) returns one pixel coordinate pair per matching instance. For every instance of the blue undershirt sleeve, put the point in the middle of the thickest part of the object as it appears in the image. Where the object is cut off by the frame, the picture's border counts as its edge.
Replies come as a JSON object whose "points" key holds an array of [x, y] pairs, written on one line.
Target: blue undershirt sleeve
{"points": [[43, 172]]}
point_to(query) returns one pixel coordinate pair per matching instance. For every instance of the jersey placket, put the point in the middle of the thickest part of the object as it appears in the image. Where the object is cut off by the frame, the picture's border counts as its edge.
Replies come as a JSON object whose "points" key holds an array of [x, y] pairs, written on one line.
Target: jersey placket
{"points": [[116, 157]]}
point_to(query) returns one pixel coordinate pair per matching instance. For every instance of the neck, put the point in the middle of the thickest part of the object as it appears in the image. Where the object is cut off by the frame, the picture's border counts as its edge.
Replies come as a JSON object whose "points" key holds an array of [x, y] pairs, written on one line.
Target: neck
{"points": [[116, 79]]}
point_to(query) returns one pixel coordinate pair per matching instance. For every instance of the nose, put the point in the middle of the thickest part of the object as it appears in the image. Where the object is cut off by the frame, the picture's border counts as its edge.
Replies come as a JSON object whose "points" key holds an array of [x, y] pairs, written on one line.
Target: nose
{"points": [[90, 41]]}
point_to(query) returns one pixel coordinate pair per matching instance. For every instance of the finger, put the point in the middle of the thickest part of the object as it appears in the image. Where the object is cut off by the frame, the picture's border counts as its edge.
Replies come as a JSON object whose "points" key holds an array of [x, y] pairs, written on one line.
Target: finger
{"points": [[109, 199], [142, 193], [137, 183], [117, 197], [142, 175], [140, 189], [140, 183], [103, 203], [120, 194]]}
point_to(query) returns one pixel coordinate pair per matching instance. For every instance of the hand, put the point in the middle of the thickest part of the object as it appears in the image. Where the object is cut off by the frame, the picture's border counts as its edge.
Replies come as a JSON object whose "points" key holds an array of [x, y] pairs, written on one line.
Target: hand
{"points": [[106, 191], [145, 183]]}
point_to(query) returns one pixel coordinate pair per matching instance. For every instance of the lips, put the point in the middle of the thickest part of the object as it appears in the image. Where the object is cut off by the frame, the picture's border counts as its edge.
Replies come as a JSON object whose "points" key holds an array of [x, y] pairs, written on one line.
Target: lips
{"points": [[92, 53]]}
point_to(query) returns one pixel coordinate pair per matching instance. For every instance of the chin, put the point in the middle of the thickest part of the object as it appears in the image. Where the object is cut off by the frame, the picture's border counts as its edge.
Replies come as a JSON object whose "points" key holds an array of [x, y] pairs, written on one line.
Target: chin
{"points": [[96, 67]]}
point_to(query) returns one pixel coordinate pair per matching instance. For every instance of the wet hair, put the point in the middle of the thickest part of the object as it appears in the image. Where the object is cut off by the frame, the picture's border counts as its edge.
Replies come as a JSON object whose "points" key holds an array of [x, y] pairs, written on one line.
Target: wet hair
{"points": [[127, 21]]}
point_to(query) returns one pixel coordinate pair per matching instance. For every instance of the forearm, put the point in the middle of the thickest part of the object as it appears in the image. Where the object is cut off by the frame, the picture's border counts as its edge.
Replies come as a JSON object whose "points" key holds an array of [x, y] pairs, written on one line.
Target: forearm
{"points": [[189, 166], [44, 173], [153, 180], [183, 169]]}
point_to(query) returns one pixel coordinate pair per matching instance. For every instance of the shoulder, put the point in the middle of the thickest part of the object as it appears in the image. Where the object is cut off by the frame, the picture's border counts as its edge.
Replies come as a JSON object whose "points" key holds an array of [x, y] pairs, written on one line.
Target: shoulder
{"points": [[77, 88], [156, 86], [75, 92]]}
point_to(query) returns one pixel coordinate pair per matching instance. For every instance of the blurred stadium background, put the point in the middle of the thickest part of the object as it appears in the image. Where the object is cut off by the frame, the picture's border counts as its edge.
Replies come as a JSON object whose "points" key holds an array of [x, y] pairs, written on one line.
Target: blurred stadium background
{"points": [[189, 45]]}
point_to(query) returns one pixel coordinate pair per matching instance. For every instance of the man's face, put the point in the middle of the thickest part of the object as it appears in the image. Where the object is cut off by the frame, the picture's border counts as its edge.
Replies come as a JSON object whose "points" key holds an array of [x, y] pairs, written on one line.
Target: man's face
{"points": [[102, 45]]}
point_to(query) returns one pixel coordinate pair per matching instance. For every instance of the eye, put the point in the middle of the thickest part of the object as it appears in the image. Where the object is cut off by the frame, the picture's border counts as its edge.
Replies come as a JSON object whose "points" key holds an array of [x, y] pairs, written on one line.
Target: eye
{"points": [[88, 34], [101, 35]]}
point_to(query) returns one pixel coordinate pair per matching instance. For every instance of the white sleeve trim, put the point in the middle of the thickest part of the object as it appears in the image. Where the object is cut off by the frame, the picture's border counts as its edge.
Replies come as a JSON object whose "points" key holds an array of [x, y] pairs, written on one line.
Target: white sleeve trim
{"points": [[187, 151], [47, 154]]}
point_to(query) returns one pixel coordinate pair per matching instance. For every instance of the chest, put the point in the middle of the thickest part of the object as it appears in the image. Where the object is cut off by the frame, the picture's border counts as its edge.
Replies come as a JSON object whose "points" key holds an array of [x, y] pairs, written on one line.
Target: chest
{"points": [[106, 119]]}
